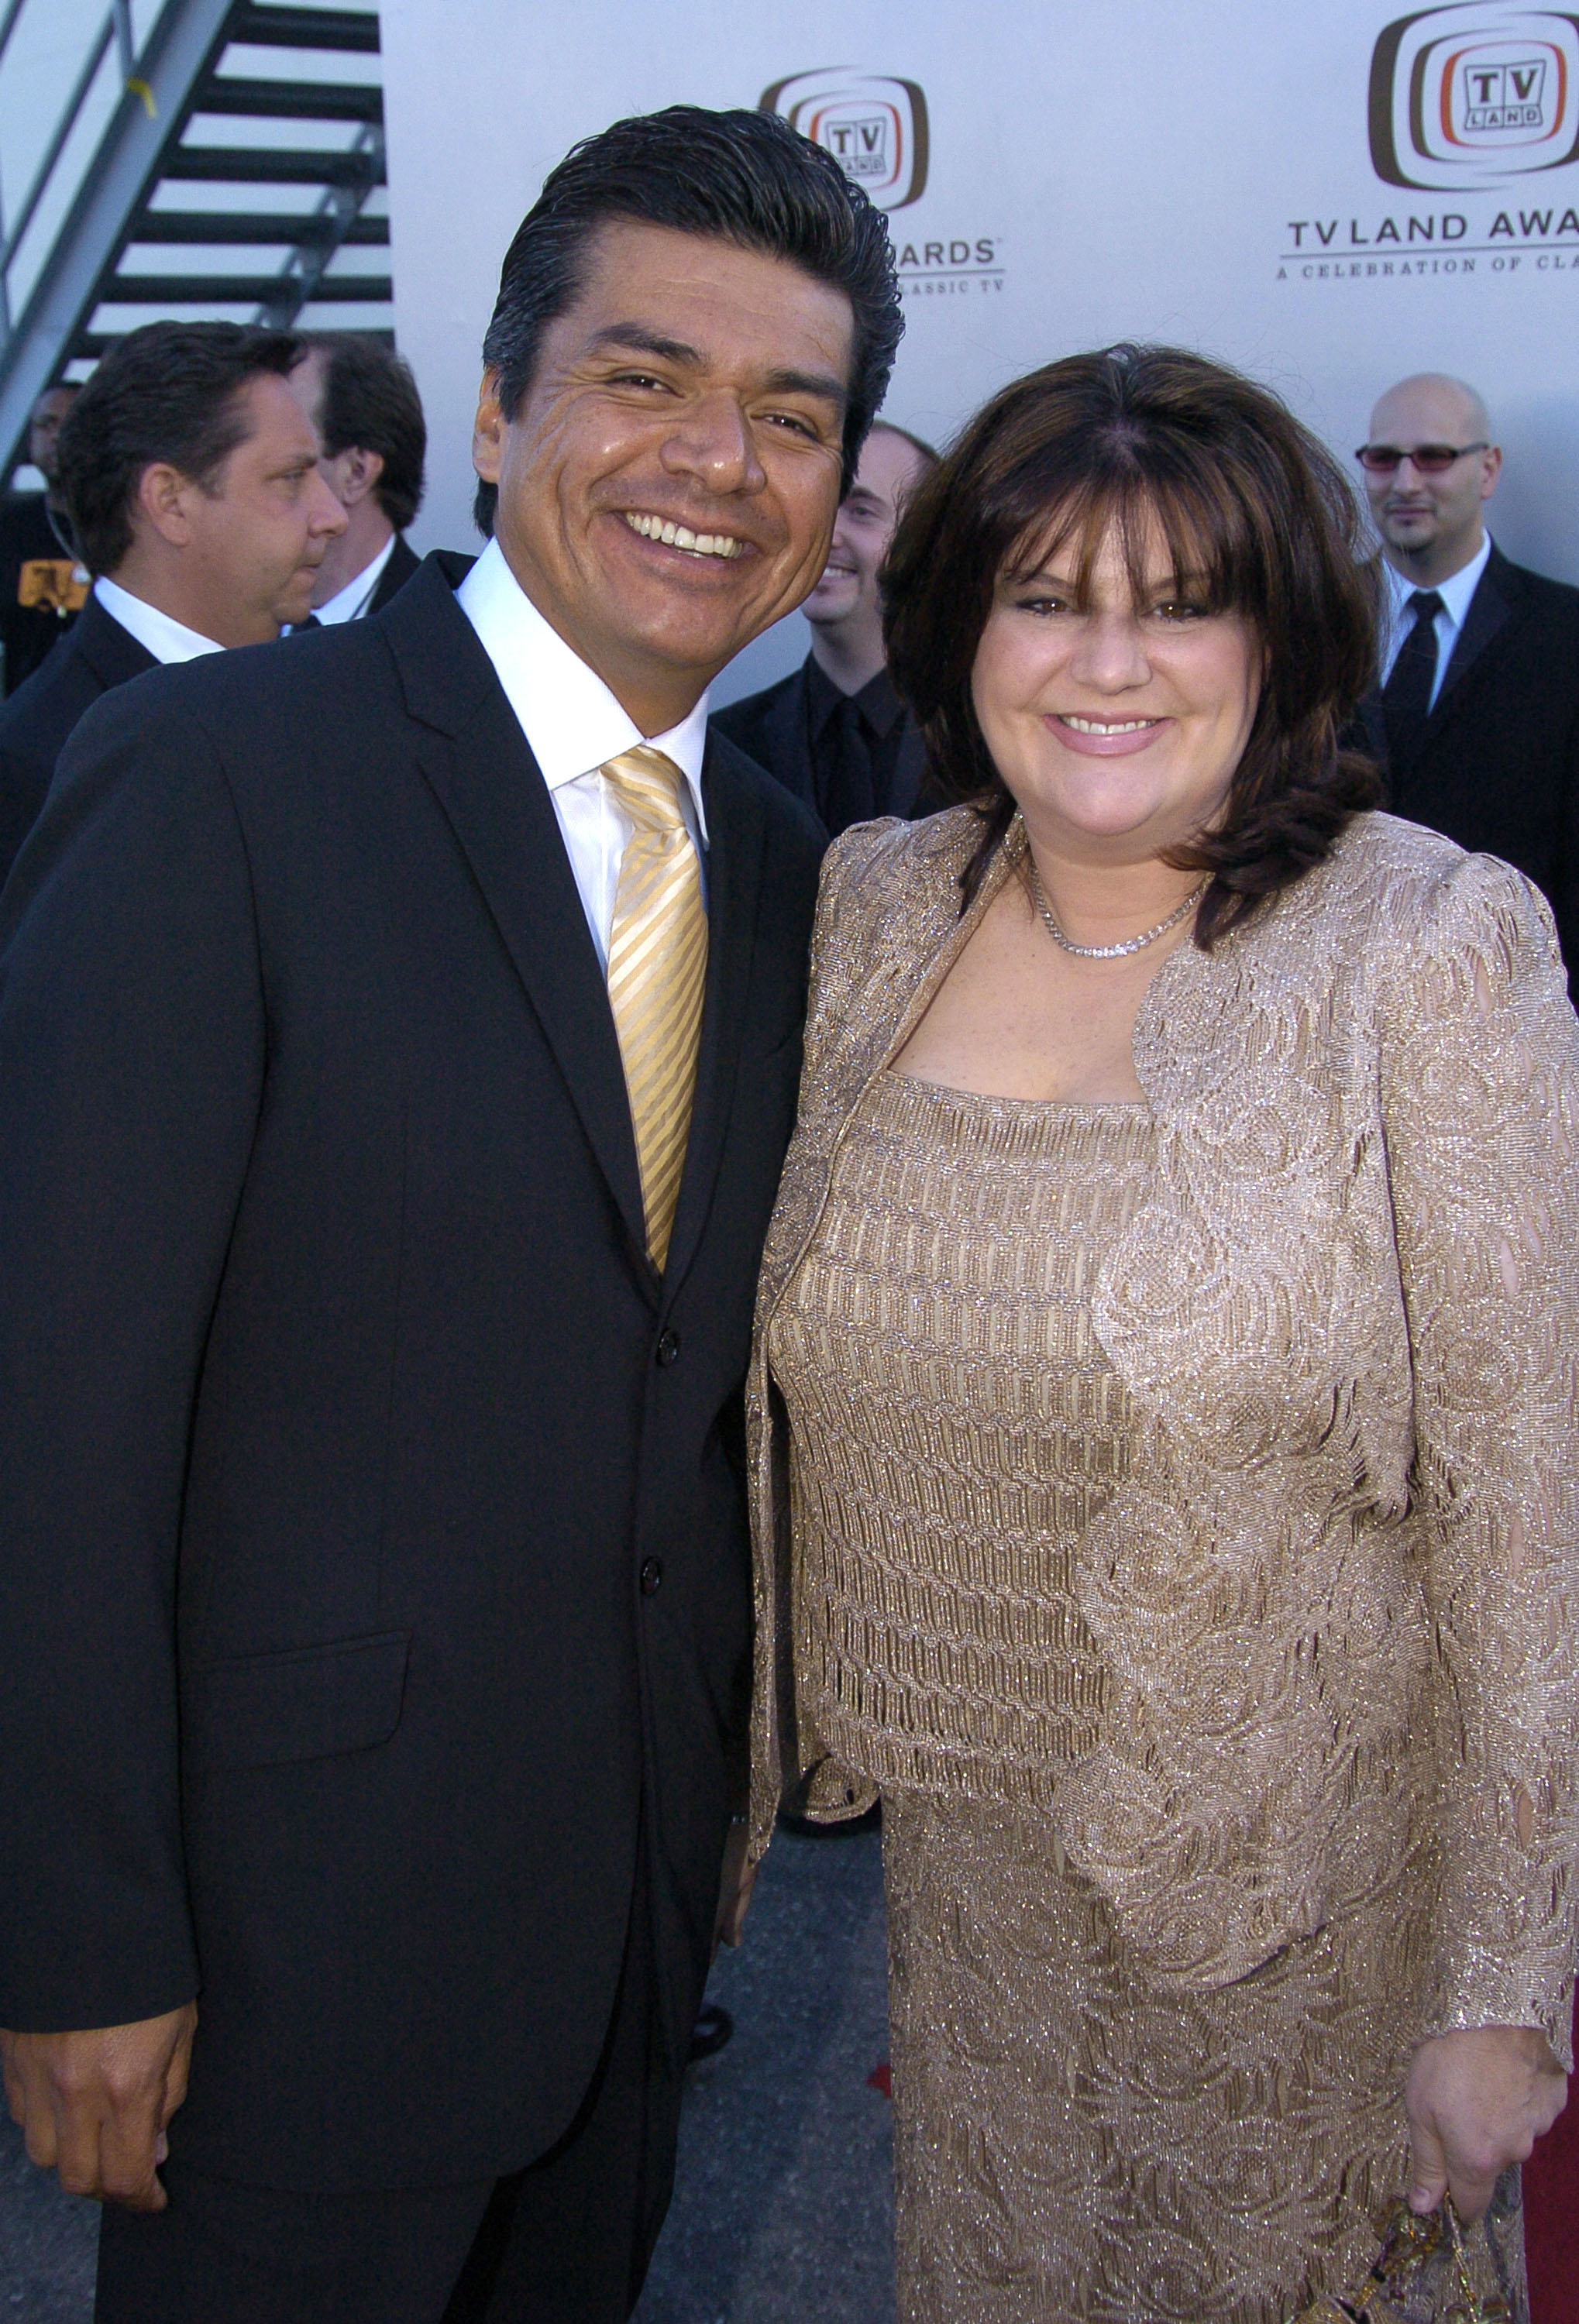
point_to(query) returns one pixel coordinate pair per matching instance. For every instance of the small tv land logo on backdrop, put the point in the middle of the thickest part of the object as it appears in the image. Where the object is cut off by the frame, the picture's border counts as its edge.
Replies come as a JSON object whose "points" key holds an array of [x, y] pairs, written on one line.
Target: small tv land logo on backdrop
{"points": [[874, 127], [1474, 94]]}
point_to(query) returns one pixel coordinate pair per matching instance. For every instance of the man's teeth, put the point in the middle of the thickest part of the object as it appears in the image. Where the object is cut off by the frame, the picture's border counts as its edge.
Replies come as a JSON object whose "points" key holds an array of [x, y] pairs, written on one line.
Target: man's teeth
{"points": [[1097, 726], [680, 536]]}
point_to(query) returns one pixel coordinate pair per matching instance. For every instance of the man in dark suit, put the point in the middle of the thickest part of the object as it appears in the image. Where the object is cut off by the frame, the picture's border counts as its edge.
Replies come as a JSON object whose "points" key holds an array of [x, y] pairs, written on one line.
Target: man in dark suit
{"points": [[40, 583], [399, 1042], [1476, 719], [373, 441], [187, 472], [835, 732]]}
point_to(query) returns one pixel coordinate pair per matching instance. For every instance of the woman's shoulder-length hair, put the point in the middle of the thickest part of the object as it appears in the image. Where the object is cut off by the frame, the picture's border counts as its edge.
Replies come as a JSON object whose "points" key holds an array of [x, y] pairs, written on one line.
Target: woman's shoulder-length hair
{"points": [[1252, 509]]}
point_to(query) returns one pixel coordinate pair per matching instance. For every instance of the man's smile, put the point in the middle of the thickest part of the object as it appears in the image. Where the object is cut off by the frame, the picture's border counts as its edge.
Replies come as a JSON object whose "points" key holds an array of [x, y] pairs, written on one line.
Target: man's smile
{"points": [[680, 536]]}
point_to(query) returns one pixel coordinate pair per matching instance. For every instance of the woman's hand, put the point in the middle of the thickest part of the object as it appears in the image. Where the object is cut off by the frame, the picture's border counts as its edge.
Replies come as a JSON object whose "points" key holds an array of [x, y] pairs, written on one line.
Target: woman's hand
{"points": [[1478, 2101]]}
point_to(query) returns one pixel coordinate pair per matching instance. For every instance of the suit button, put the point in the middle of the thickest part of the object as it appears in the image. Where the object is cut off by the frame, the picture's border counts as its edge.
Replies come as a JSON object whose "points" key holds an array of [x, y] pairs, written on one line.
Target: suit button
{"points": [[667, 1348], [652, 1576]]}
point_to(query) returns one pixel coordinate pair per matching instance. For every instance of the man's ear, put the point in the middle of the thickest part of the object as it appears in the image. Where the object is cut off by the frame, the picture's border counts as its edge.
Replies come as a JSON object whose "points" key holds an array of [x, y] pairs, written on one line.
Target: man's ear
{"points": [[357, 473], [160, 502], [488, 428]]}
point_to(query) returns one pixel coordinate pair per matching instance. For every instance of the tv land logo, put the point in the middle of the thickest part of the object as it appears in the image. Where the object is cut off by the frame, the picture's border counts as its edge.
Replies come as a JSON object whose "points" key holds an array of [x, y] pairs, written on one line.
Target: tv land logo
{"points": [[875, 128], [1474, 94]]}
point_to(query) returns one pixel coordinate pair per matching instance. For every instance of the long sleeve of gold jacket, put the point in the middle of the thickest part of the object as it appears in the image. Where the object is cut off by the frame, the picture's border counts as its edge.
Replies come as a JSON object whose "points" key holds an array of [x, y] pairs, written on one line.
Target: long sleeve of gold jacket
{"points": [[1337, 1601]]}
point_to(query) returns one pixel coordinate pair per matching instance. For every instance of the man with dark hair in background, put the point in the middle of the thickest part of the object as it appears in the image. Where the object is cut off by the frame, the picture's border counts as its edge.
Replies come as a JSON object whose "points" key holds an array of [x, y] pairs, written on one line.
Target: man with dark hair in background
{"points": [[41, 591], [187, 472], [835, 732], [399, 1044], [372, 439]]}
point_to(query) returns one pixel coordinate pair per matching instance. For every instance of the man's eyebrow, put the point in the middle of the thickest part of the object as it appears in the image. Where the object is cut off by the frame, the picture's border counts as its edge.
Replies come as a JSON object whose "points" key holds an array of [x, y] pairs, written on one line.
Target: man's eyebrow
{"points": [[640, 340], [643, 342], [821, 383]]}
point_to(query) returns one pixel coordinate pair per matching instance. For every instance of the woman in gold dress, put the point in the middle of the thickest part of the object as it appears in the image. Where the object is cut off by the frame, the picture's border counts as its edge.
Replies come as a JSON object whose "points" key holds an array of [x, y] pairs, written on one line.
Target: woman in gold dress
{"points": [[1164, 1410]]}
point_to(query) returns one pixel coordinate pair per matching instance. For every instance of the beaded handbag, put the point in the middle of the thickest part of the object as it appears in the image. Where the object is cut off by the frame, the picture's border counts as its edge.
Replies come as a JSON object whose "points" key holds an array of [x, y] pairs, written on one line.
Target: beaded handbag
{"points": [[1432, 2269]]}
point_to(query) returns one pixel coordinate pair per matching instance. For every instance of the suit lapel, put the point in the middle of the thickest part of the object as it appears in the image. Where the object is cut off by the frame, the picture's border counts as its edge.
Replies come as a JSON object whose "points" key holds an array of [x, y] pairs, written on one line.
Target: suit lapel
{"points": [[1489, 608], [736, 835], [789, 748], [403, 562], [112, 653], [476, 761]]}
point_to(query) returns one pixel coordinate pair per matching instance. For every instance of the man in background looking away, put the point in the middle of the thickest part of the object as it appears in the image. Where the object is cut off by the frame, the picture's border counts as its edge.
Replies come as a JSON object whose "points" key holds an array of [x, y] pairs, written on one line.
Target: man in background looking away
{"points": [[188, 474], [373, 440]]}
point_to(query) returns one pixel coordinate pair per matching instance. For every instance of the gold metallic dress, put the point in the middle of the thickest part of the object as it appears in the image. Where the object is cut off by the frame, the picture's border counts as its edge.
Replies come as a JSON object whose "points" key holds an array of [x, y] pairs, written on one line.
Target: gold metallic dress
{"points": [[1077, 2137]]}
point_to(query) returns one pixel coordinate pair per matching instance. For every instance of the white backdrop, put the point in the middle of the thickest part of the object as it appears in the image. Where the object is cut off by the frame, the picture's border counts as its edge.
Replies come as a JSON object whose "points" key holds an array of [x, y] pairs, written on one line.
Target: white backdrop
{"points": [[1329, 196]]}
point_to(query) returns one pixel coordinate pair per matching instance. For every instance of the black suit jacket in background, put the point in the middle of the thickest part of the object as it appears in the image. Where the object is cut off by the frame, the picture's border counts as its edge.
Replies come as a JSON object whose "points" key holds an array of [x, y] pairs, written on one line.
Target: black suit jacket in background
{"points": [[28, 633], [36, 721], [403, 562], [372, 1514], [1497, 765], [774, 728]]}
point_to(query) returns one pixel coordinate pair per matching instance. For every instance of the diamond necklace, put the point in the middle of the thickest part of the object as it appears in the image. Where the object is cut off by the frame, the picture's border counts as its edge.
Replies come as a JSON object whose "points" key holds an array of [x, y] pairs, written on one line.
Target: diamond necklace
{"points": [[1110, 952]]}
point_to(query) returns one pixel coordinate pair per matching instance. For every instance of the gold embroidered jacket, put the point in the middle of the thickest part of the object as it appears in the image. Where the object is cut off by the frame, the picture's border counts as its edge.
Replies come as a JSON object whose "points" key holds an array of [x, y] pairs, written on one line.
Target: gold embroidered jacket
{"points": [[1342, 1621]]}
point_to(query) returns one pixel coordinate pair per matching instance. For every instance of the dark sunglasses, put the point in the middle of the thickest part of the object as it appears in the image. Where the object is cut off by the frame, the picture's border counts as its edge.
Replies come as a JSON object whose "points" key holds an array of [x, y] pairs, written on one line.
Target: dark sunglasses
{"points": [[1430, 459]]}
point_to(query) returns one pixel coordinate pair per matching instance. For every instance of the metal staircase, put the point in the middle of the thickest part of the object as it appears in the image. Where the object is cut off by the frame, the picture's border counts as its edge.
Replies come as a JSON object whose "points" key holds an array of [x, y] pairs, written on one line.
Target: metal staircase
{"points": [[209, 158]]}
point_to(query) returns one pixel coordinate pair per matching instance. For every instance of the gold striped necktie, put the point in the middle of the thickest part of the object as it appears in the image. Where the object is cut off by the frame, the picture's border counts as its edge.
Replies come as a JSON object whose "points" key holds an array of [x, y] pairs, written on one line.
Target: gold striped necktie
{"points": [[657, 970]]}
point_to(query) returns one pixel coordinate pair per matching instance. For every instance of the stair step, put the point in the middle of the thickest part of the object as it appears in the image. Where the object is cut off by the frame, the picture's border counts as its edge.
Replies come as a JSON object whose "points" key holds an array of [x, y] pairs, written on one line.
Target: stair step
{"points": [[300, 227], [237, 290], [255, 165], [288, 100], [345, 29]]}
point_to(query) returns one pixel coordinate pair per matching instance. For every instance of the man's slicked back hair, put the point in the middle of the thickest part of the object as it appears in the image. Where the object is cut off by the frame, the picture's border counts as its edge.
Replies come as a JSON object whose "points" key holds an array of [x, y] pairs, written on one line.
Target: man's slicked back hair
{"points": [[370, 403], [168, 392], [743, 178]]}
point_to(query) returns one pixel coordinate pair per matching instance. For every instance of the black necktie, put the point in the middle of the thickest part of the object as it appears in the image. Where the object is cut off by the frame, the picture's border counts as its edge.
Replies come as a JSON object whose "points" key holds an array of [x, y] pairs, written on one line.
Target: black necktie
{"points": [[1406, 698], [844, 769]]}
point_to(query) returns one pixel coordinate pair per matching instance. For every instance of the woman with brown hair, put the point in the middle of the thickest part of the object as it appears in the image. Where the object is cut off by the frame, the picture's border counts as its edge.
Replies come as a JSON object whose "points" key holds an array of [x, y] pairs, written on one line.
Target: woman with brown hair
{"points": [[1165, 1407]]}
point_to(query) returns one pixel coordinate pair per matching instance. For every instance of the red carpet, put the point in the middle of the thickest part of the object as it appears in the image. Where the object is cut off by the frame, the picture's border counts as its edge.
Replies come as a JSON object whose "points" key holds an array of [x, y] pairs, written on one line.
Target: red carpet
{"points": [[1551, 2220]]}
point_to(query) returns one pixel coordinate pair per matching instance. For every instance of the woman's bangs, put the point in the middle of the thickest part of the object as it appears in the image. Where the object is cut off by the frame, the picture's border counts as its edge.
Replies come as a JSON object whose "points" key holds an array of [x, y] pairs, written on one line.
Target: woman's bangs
{"points": [[1176, 530]]}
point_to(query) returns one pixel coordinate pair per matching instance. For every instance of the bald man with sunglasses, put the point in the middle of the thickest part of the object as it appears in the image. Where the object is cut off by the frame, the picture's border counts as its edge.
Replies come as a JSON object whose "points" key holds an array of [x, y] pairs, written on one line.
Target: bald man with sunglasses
{"points": [[1476, 712]]}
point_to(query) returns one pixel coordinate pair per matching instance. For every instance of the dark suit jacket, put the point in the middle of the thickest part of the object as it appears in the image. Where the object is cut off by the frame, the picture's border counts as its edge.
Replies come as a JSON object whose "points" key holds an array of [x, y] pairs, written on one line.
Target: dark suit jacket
{"points": [[1497, 765], [403, 561], [28, 633], [372, 1514], [95, 654], [774, 729]]}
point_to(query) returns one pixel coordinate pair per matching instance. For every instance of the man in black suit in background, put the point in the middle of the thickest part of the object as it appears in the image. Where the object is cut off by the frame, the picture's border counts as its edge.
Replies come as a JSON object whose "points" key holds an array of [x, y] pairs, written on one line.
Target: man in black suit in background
{"points": [[835, 732], [373, 440], [41, 584], [399, 1043], [1476, 719], [187, 472]]}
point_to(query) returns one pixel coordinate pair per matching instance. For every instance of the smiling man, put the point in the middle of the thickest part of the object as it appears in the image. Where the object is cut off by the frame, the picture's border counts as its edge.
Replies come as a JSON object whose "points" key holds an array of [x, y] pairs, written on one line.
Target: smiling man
{"points": [[399, 1041], [835, 732]]}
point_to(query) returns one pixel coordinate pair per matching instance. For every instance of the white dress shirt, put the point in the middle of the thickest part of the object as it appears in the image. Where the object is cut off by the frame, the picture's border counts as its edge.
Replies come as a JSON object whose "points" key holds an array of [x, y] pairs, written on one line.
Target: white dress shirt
{"points": [[349, 604], [1456, 592], [573, 726], [166, 638]]}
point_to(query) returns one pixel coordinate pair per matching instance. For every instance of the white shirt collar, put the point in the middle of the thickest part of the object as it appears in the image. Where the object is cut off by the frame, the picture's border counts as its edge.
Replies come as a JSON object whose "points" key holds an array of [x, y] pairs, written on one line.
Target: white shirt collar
{"points": [[166, 638], [1456, 592], [348, 604], [572, 723]]}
